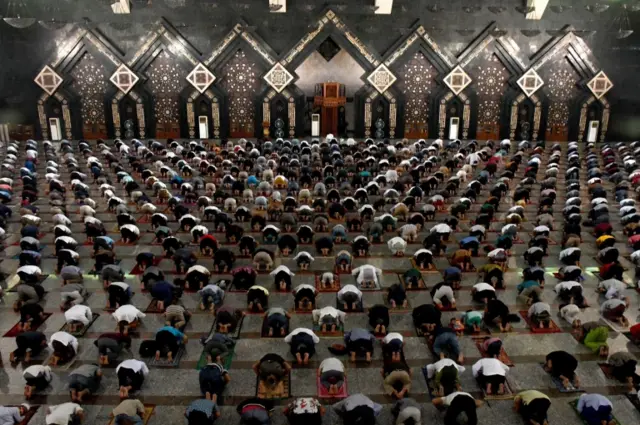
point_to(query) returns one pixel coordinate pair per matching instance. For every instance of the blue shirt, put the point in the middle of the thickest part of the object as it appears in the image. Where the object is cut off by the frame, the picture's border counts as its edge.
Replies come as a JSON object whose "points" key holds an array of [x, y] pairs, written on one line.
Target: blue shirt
{"points": [[452, 271], [107, 239], [359, 333], [469, 239], [524, 285], [10, 415], [173, 331], [203, 405], [34, 254]]}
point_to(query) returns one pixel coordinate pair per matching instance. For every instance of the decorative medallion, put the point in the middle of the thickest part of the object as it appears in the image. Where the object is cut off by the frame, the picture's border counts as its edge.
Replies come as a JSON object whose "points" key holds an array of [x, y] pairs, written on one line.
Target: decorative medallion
{"points": [[457, 80], [48, 80], [600, 85], [562, 83], [558, 114], [491, 80], [124, 79], [381, 78], [489, 112], [278, 77], [530, 82], [201, 78]]}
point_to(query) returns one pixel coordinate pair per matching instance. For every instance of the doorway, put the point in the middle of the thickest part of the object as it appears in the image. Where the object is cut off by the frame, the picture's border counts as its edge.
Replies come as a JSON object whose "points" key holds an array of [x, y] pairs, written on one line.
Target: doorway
{"points": [[55, 119], [129, 118]]}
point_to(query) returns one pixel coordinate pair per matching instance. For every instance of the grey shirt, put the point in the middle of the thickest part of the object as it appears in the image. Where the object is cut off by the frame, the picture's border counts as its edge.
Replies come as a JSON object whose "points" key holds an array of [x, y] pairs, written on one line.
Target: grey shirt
{"points": [[359, 333], [87, 370], [73, 287], [357, 400]]}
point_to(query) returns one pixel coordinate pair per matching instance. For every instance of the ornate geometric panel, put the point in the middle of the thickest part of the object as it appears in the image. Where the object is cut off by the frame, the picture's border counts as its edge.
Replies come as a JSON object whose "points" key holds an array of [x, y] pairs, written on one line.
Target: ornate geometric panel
{"points": [[491, 78], [600, 84], [530, 82], [48, 80], [278, 77], [89, 82], [489, 112], [165, 75], [166, 110], [558, 114], [562, 81], [201, 78], [416, 81], [241, 84], [124, 79], [381, 78], [166, 81], [457, 80]]}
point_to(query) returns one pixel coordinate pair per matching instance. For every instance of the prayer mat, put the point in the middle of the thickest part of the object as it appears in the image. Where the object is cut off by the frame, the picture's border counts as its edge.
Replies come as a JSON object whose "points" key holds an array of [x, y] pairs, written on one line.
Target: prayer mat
{"points": [[615, 326], [15, 281], [376, 286], [226, 360], [164, 362], [607, 369], [235, 334], [574, 405], [633, 398], [337, 270], [13, 332], [551, 329], [148, 412], [83, 330], [28, 415], [302, 311], [60, 366], [447, 308], [324, 393], [482, 333], [359, 307], [503, 357], [558, 383], [422, 285], [430, 383], [508, 393], [136, 270], [153, 307], [338, 333], [120, 242], [264, 393], [336, 287]]}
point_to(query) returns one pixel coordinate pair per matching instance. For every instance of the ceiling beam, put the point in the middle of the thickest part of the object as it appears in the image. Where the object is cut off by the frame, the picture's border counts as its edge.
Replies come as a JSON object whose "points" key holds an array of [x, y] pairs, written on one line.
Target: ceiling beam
{"points": [[383, 7], [121, 7], [536, 8]]}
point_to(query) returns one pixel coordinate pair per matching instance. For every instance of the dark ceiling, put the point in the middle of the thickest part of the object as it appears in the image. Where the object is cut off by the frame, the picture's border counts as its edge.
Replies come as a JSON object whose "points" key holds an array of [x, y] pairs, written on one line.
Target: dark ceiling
{"points": [[452, 23]]}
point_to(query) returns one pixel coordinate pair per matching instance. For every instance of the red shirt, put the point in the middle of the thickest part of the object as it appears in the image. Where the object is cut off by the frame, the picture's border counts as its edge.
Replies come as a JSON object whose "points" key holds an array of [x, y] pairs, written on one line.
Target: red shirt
{"points": [[603, 228]]}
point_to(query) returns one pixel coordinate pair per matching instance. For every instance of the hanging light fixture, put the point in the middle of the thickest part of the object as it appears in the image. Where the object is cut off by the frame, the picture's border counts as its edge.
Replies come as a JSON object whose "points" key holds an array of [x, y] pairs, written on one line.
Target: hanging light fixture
{"points": [[624, 25], [20, 22]]}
